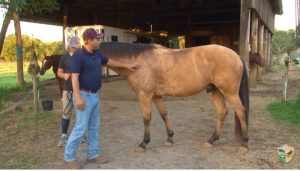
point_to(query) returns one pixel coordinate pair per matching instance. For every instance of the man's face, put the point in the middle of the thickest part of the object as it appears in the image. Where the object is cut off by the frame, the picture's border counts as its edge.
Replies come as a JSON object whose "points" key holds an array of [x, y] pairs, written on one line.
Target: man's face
{"points": [[73, 49], [95, 43]]}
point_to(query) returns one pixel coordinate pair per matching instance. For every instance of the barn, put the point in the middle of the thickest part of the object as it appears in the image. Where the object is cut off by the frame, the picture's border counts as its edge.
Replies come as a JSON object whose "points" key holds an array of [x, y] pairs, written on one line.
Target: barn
{"points": [[243, 25]]}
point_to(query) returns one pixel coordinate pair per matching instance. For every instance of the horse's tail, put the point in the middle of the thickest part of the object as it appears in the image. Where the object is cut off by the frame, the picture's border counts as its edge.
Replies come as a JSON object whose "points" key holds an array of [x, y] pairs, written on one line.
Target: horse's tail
{"points": [[244, 96]]}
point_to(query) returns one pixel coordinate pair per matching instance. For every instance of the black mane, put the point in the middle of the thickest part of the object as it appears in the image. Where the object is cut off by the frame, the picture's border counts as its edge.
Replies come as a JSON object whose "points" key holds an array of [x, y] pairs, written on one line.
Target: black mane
{"points": [[117, 49]]}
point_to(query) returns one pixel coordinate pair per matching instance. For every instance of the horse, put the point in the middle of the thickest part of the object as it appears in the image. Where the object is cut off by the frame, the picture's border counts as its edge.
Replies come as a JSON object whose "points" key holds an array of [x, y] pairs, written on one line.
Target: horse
{"points": [[256, 58], [185, 72], [53, 61]]}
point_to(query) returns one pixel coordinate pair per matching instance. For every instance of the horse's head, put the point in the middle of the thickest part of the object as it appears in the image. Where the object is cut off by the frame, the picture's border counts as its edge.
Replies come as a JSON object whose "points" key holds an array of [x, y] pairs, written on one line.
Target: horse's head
{"points": [[46, 64]]}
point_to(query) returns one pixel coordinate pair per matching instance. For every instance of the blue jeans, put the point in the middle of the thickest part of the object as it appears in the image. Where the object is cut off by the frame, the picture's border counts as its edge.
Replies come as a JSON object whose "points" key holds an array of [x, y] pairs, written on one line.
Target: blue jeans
{"points": [[87, 119]]}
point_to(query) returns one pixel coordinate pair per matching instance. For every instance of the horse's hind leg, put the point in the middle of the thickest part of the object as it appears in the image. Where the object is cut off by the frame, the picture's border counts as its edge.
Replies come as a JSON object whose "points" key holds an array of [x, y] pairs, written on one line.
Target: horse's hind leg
{"points": [[222, 111], [239, 109], [164, 115], [145, 102]]}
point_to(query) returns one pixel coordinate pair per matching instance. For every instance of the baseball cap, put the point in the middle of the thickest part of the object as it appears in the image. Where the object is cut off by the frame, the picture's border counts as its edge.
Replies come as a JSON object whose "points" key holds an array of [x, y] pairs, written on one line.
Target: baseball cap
{"points": [[90, 34], [74, 42]]}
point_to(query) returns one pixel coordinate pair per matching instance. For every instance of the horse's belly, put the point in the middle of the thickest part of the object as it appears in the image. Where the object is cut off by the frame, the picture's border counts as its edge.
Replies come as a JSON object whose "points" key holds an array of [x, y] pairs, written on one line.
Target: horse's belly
{"points": [[180, 88]]}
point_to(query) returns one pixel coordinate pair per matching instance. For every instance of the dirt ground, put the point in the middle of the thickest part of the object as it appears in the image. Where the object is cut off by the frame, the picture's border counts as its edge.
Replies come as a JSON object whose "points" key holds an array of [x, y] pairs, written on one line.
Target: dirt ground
{"points": [[193, 120]]}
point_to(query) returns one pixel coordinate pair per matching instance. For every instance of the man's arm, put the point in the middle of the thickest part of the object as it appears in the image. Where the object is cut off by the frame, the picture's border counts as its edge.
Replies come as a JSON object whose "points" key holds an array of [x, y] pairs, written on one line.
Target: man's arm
{"points": [[76, 92], [117, 64], [60, 73]]}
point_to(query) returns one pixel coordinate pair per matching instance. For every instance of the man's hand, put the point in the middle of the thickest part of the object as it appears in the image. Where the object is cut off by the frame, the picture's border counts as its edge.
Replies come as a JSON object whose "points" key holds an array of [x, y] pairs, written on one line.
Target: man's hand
{"points": [[133, 67], [80, 103], [67, 76]]}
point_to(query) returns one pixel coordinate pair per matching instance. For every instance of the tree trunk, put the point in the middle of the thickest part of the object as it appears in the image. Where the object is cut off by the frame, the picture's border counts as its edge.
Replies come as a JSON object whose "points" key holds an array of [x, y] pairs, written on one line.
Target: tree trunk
{"points": [[19, 48], [5, 25], [278, 56]]}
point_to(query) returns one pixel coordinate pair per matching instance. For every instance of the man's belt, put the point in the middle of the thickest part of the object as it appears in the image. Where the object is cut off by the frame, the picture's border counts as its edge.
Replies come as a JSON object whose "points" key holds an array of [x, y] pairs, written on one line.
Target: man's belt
{"points": [[89, 91]]}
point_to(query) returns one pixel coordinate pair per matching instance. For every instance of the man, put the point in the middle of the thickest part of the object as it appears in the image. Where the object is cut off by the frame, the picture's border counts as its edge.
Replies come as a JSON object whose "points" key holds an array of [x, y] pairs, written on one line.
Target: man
{"points": [[86, 81], [64, 72]]}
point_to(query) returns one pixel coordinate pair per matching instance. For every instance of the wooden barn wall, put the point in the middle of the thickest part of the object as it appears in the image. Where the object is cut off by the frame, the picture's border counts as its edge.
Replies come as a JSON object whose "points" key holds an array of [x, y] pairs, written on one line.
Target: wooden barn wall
{"points": [[223, 34], [264, 11]]}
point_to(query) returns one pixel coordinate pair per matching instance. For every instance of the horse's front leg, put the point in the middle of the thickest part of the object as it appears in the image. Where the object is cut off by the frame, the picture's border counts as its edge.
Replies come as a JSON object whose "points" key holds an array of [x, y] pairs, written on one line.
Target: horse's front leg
{"points": [[145, 102], [164, 115]]}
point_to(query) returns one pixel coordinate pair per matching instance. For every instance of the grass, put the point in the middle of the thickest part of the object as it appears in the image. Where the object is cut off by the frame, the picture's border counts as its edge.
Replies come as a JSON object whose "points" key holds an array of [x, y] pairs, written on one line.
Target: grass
{"points": [[8, 79], [277, 67], [288, 113], [21, 143]]}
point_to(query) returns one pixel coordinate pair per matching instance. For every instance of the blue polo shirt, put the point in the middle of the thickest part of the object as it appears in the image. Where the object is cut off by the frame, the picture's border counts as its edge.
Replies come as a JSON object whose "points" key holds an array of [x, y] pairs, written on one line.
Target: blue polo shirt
{"points": [[89, 67]]}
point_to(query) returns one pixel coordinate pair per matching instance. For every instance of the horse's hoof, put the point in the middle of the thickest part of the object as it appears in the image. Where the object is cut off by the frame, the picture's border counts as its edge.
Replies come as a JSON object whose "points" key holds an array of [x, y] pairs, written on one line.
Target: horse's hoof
{"points": [[208, 145], [140, 149], [243, 150], [168, 144]]}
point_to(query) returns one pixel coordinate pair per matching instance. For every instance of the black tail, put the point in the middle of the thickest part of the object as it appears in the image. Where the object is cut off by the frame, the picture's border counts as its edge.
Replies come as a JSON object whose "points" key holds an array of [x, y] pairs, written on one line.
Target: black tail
{"points": [[244, 96]]}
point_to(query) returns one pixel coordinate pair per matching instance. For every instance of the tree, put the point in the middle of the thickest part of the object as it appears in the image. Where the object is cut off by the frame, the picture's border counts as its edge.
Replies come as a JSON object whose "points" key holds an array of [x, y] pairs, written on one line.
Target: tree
{"points": [[41, 48], [55, 48], [6, 21], [25, 6], [14, 9], [283, 41]]}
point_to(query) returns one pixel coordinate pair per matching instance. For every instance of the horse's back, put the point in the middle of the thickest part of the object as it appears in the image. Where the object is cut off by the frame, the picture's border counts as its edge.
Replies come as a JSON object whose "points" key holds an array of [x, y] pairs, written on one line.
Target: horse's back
{"points": [[191, 70]]}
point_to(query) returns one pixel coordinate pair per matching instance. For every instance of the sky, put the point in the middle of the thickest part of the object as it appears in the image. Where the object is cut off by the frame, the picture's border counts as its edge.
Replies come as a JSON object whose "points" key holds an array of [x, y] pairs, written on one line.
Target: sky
{"points": [[286, 21], [48, 33]]}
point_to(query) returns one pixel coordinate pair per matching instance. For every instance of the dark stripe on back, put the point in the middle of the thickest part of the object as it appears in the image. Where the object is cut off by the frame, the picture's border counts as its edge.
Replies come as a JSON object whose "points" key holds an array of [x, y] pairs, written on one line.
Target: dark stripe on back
{"points": [[126, 50]]}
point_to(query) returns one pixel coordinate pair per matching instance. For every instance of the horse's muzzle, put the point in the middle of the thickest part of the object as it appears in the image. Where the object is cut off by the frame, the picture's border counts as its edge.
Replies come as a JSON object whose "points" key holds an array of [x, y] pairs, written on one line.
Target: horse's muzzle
{"points": [[42, 72]]}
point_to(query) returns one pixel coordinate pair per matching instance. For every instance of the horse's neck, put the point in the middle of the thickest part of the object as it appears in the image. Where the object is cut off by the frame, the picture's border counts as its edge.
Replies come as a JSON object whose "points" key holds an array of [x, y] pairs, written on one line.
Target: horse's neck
{"points": [[55, 62]]}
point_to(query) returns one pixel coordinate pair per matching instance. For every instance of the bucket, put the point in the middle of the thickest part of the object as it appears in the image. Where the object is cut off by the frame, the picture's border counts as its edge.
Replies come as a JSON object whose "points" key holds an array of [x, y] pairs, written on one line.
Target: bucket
{"points": [[47, 105]]}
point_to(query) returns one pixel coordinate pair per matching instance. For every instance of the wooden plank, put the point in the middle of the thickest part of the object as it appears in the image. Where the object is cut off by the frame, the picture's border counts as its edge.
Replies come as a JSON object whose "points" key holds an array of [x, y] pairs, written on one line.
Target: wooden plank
{"points": [[65, 18], [188, 34], [269, 51], [254, 48], [265, 12], [266, 50], [260, 50], [244, 33], [35, 81]]}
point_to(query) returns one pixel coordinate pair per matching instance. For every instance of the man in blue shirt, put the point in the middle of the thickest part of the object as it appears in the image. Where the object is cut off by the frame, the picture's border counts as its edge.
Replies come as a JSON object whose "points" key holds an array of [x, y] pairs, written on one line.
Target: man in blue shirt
{"points": [[86, 82]]}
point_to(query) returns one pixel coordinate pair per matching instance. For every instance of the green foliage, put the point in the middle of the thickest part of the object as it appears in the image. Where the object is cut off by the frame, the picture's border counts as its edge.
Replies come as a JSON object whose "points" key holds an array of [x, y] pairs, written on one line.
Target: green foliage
{"points": [[284, 41], [29, 6], [54, 48], [41, 48], [8, 74], [286, 112]]}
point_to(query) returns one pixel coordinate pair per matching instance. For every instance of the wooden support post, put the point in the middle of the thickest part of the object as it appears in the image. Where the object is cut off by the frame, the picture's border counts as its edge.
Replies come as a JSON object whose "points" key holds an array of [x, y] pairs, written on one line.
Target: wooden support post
{"points": [[244, 32], [254, 49], [266, 59], [35, 81], [270, 57], [65, 20], [188, 38], [19, 49], [106, 73], [260, 50], [285, 80]]}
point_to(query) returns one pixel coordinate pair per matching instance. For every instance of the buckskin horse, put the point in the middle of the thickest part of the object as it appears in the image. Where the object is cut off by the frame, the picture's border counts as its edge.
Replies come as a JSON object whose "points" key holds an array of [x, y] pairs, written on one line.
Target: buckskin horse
{"points": [[184, 72], [53, 61]]}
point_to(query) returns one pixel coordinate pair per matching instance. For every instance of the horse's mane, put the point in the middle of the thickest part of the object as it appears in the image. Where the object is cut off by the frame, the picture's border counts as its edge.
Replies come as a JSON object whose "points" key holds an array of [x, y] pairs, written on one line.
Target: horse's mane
{"points": [[117, 49]]}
